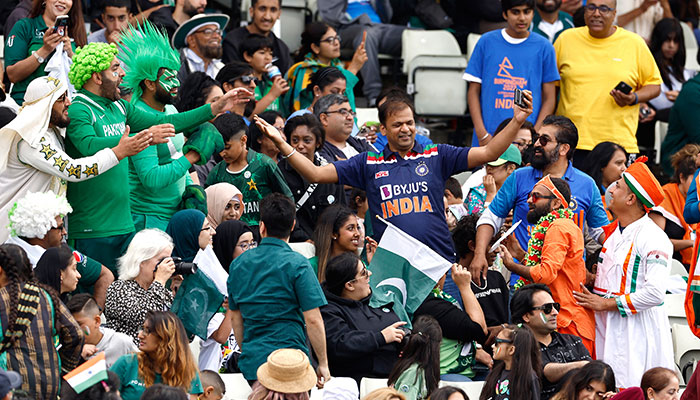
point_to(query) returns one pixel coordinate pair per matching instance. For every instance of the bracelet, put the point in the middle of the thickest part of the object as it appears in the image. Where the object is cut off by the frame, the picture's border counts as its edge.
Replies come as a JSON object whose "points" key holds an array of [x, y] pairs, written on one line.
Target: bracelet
{"points": [[290, 154], [636, 98], [485, 136], [38, 57]]}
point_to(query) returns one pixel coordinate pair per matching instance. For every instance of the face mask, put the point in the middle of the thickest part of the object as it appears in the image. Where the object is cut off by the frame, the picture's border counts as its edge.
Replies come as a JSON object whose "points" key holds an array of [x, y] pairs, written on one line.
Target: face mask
{"points": [[168, 81]]}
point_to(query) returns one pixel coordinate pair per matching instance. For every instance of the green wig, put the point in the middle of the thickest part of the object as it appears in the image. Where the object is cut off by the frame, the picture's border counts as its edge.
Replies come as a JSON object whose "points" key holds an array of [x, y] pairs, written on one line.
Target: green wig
{"points": [[144, 51], [91, 58]]}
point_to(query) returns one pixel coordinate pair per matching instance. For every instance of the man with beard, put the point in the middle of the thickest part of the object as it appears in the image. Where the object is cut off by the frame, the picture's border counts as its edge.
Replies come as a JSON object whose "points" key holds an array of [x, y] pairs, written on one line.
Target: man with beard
{"points": [[549, 21], [32, 152], [593, 60], [169, 18], [555, 255], [553, 149], [199, 42], [158, 175], [101, 225], [263, 15]]}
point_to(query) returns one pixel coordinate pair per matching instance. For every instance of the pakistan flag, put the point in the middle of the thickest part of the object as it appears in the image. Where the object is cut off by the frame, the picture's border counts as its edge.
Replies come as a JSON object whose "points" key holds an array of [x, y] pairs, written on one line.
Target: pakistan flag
{"points": [[404, 271]]}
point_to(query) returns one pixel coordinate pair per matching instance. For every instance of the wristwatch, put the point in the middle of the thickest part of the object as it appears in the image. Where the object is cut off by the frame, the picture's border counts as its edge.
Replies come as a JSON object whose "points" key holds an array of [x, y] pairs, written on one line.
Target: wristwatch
{"points": [[38, 57]]}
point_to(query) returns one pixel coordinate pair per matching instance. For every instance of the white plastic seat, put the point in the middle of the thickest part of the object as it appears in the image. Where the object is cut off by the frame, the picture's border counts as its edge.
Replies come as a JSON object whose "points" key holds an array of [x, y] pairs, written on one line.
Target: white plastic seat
{"points": [[660, 130], [293, 22], [471, 43], [368, 385], [675, 308], [195, 345], [306, 249], [237, 387], [686, 349], [415, 43], [367, 114], [691, 48], [677, 268], [472, 389]]}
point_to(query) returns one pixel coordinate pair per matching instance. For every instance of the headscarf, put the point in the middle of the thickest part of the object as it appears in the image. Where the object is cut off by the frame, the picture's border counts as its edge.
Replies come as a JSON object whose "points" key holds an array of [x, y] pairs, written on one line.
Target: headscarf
{"points": [[226, 238], [184, 227], [52, 262], [218, 196]]}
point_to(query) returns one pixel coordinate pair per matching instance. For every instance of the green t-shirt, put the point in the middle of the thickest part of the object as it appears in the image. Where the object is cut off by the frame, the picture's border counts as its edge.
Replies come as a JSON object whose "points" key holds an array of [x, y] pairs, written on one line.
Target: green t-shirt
{"points": [[25, 37], [272, 286], [101, 205], [158, 175], [262, 90], [132, 387], [411, 383], [258, 179], [455, 357]]}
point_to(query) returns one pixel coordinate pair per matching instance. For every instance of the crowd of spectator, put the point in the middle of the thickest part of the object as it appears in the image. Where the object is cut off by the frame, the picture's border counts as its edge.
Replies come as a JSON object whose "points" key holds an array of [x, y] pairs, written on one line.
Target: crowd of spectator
{"points": [[174, 181]]}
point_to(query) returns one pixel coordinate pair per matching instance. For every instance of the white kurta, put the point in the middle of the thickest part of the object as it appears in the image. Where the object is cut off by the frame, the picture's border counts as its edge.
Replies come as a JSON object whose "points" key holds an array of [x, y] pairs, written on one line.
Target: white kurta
{"points": [[44, 168], [633, 268]]}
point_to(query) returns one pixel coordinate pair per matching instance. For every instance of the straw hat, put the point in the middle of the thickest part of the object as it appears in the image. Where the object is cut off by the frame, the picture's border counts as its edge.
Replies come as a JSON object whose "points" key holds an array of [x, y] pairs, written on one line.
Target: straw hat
{"points": [[287, 371]]}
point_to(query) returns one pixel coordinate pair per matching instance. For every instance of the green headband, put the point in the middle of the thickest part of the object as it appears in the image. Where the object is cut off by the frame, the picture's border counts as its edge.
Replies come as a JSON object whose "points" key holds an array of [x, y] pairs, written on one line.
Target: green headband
{"points": [[94, 57]]}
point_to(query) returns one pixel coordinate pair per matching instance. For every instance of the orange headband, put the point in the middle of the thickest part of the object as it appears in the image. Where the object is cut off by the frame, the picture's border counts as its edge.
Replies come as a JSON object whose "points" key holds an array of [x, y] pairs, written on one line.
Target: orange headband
{"points": [[547, 182]]}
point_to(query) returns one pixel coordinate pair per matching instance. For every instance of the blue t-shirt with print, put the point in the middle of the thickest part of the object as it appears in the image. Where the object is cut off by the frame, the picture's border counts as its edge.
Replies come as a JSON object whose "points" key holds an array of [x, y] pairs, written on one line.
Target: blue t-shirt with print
{"points": [[501, 66], [585, 200], [407, 191]]}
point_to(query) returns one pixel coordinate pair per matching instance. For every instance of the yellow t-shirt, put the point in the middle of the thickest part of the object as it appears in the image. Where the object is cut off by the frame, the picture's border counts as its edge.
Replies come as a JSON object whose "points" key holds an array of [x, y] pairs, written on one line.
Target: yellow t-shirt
{"points": [[590, 68]]}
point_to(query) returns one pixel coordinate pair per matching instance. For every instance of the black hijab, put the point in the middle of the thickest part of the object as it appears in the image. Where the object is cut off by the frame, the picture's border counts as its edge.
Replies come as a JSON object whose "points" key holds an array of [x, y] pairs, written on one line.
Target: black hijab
{"points": [[226, 238]]}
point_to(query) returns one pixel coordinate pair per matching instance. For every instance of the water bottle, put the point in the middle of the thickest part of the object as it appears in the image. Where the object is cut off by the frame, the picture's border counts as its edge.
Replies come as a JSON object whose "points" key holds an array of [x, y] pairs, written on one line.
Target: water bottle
{"points": [[272, 71]]}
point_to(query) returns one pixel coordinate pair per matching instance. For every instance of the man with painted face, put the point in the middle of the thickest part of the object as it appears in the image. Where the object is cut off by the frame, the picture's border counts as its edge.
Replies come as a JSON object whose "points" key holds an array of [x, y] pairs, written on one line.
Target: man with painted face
{"points": [[158, 176], [101, 225], [555, 255]]}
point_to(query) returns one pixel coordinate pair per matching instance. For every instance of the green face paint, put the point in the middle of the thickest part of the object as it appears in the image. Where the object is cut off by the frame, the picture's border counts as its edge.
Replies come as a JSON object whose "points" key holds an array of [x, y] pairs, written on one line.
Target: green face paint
{"points": [[544, 319], [168, 81]]}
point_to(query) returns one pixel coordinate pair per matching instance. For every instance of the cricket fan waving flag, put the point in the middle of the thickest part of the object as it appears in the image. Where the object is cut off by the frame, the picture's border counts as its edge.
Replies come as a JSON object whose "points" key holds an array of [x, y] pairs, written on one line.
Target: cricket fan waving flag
{"points": [[158, 176], [101, 225], [632, 329], [404, 182], [32, 151]]}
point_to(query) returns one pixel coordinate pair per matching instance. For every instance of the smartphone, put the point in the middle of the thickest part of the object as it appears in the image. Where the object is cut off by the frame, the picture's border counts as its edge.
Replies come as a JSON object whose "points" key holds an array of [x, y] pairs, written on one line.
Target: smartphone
{"points": [[61, 25], [623, 87], [518, 98]]}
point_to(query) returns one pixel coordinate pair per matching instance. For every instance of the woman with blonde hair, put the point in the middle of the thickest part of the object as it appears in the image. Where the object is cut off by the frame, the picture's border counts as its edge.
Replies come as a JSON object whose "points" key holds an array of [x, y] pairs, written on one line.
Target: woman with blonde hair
{"points": [[143, 271], [386, 393], [669, 214], [164, 357]]}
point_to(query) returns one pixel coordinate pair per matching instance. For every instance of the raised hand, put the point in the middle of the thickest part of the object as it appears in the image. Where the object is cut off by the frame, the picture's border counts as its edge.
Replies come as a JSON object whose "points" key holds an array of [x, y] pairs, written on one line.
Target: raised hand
{"points": [[131, 145]]}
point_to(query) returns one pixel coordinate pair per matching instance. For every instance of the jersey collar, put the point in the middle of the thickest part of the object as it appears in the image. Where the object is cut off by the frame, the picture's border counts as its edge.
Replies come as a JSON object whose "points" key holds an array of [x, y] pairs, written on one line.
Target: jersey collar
{"points": [[417, 148]]}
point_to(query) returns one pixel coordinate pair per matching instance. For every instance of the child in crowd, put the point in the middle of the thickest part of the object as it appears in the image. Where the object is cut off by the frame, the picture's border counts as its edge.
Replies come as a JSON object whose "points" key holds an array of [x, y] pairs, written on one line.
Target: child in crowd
{"points": [[507, 59], [98, 338], [213, 386], [254, 174], [256, 50], [517, 366], [417, 372]]}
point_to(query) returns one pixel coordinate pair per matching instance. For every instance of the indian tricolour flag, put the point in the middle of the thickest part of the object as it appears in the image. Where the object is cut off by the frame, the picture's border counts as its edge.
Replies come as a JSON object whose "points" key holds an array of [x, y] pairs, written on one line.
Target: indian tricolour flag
{"points": [[404, 271], [87, 374]]}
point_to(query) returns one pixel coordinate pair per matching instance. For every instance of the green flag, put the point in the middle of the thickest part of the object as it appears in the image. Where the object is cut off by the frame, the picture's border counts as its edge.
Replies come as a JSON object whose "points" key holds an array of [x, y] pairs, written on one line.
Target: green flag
{"points": [[404, 271]]}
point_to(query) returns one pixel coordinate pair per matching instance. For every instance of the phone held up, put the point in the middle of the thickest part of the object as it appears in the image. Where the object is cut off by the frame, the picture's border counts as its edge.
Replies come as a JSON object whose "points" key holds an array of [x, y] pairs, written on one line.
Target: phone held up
{"points": [[518, 98], [624, 87], [61, 25]]}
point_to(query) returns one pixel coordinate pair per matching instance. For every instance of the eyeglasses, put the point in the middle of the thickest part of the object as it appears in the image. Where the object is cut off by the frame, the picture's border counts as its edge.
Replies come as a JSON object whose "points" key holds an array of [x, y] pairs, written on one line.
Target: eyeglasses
{"points": [[499, 341], [62, 98], [363, 274], [330, 39], [209, 32], [547, 308], [537, 196], [245, 79], [544, 140], [248, 245], [146, 330], [591, 8], [59, 228], [344, 112]]}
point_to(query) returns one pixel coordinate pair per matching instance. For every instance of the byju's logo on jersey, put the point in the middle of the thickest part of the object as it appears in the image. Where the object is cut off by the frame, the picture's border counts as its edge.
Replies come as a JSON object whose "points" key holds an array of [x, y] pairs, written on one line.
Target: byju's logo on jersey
{"points": [[385, 191]]}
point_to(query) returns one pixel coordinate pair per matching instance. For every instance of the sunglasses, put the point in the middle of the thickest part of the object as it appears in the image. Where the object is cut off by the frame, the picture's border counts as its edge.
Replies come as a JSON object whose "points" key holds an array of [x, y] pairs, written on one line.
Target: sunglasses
{"points": [[499, 341], [536, 196], [59, 227], [544, 140], [245, 79], [547, 308]]}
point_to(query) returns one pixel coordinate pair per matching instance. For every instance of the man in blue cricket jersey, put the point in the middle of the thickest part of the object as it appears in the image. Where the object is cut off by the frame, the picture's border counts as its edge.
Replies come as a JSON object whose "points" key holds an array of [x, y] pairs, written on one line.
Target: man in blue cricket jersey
{"points": [[405, 181], [554, 147]]}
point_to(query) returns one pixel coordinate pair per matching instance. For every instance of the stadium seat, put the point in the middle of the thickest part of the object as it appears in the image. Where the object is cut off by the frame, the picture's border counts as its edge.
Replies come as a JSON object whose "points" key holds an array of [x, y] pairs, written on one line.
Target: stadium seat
{"points": [[304, 248], [472, 389], [471, 43], [367, 385], [237, 387], [462, 177], [677, 268], [293, 21], [691, 48], [367, 114], [195, 345], [2, 48], [435, 65], [660, 130], [686, 349], [675, 308]]}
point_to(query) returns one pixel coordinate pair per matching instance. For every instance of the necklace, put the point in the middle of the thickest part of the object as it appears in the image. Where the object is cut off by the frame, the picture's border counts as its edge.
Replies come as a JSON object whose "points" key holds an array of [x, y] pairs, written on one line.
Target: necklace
{"points": [[534, 245]]}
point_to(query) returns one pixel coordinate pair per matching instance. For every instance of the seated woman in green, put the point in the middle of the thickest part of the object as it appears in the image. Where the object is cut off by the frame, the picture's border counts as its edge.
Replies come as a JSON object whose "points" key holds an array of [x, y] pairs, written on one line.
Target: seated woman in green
{"points": [[320, 47], [164, 357]]}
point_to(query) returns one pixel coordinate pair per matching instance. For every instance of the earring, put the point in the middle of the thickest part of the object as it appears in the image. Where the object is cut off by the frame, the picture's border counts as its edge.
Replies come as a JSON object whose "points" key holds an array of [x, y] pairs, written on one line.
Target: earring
{"points": [[43, 4], [335, 237]]}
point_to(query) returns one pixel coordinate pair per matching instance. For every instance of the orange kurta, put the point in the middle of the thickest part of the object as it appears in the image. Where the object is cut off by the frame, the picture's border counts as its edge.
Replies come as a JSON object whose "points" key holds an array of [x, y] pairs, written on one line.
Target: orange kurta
{"points": [[673, 204], [562, 269]]}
